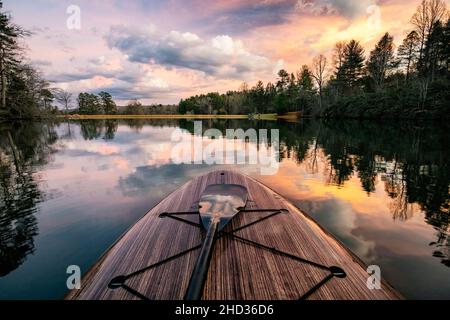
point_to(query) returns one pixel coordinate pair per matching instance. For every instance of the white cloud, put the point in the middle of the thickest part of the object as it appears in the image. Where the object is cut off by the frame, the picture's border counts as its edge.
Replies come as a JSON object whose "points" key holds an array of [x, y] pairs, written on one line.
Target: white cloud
{"points": [[123, 79], [220, 56]]}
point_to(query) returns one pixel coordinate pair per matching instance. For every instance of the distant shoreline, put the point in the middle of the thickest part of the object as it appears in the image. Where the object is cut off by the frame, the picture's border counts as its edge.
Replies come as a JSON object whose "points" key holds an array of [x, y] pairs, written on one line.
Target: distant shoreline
{"points": [[291, 116]]}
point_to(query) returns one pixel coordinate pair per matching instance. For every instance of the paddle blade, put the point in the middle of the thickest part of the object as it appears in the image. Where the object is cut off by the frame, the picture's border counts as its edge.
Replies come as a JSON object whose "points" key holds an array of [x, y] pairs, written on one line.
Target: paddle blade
{"points": [[221, 202]]}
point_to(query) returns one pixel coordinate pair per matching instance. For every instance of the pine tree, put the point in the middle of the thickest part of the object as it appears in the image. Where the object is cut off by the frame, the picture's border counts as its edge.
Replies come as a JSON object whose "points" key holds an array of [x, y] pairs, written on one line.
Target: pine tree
{"points": [[445, 49], [283, 80], [433, 46], [258, 97], [10, 52], [89, 104], [408, 52], [107, 103], [353, 66], [269, 96], [305, 79], [381, 60]]}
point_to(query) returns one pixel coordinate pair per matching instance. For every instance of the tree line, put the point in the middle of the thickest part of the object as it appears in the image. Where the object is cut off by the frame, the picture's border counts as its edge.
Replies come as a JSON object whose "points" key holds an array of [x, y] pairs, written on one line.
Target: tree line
{"points": [[103, 103], [136, 107], [410, 81], [291, 92], [23, 91]]}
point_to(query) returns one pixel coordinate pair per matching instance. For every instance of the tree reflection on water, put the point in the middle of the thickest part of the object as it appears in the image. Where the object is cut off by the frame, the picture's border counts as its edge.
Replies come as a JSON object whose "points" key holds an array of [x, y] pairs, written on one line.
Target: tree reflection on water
{"points": [[23, 147], [410, 160]]}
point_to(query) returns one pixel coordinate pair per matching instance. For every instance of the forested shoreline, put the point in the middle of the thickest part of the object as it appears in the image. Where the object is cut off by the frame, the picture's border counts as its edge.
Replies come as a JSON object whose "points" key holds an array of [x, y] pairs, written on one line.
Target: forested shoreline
{"points": [[24, 93], [409, 82]]}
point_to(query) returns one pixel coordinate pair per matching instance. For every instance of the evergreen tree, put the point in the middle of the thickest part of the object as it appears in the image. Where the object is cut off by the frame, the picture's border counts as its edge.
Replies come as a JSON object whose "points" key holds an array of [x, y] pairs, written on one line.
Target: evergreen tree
{"points": [[47, 98], [305, 79], [107, 102], [381, 60], [427, 14], [269, 95], [445, 46], [353, 65], [433, 55], [258, 97], [408, 52], [89, 104], [10, 53], [283, 80]]}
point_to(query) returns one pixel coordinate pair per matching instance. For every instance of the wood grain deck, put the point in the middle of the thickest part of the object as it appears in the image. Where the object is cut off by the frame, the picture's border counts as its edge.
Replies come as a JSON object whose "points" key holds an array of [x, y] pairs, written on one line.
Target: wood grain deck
{"points": [[238, 271]]}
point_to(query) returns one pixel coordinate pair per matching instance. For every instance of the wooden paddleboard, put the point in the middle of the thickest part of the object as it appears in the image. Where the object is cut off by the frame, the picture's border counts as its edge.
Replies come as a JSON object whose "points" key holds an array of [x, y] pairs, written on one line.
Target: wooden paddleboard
{"points": [[269, 255]]}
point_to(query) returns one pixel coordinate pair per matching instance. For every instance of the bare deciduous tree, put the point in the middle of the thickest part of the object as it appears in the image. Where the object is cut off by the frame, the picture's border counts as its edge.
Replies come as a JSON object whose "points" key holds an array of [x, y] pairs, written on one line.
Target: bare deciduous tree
{"points": [[428, 13], [425, 17], [319, 73], [63, 97], [339, 54]]}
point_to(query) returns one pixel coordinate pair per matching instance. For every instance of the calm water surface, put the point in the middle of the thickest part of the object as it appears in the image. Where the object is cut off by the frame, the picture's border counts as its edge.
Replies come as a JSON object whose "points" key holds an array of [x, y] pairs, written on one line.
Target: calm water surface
{"points": [[69, 190]]}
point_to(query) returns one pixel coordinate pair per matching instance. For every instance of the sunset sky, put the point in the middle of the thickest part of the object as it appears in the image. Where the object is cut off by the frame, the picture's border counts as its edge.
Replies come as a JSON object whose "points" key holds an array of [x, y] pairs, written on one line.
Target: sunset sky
{"points": [[161, 51]]}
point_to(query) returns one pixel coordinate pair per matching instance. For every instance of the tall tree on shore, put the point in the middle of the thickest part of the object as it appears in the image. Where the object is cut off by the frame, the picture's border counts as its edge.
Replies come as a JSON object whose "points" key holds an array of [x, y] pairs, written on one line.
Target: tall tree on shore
{"points": [[381, 60], [63, 97], [433, 51], [27, 93], [319, 74], [283, 80], [446, 46], [305, 79], [89, 104], [47, 98], [339, 54], [292, 91], [427, 15], [338, 62], [408, 52], [10, 52], [258, 97], [352, 68], [424, 19], [107, 102], [270, 94]]}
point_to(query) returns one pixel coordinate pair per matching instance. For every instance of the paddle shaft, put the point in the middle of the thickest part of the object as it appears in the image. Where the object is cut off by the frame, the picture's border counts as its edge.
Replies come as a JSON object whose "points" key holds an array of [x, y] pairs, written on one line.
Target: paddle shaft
{"points": [[198, 277]]}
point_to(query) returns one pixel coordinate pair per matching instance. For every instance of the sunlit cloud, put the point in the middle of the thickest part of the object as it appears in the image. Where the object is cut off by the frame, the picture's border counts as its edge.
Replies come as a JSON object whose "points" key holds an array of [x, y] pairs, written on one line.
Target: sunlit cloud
{"points": [[220, 56]]}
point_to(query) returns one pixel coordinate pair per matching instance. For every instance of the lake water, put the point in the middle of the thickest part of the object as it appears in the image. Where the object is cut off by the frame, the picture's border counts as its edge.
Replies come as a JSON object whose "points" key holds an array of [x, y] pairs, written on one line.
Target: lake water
{"points": [[69, 190]]}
